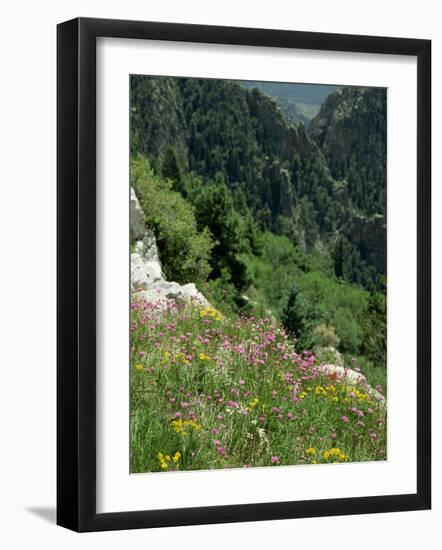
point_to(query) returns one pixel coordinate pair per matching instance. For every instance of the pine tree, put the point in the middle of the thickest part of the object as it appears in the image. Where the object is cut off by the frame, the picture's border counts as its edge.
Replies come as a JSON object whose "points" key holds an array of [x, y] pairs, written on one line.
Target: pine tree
{"points": [[294, 317], [339, 258], [214, 209]]}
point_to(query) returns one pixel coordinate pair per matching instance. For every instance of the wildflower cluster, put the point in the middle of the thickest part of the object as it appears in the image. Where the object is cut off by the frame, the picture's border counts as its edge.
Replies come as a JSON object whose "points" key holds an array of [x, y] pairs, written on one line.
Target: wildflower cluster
{"points": [[184, 427], [166, 460], [334, 455], [211, 313], [237, 393]]}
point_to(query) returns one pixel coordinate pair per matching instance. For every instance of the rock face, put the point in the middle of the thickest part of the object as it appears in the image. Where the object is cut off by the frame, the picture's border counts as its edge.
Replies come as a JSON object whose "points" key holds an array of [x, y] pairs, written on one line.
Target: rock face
{"points": [[146, 276]]}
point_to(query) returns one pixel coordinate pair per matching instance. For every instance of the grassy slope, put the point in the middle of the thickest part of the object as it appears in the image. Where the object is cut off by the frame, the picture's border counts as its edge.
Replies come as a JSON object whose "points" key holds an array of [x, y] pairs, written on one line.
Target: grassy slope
{"points": [[334, 302], [212, 392]]}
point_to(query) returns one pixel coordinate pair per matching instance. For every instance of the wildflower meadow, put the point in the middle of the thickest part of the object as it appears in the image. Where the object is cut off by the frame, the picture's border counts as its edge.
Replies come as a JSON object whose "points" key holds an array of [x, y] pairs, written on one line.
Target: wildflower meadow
{"points": [[258, 244], [210, 391]]}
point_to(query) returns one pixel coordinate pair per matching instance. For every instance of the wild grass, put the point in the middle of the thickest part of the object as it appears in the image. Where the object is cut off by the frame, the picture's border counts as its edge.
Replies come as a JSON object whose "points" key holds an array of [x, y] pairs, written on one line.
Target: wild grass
{"points": [[209, 391]]}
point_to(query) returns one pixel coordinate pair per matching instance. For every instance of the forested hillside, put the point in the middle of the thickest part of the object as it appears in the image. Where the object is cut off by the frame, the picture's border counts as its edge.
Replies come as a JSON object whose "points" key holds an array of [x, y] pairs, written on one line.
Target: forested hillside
{"points": [[351, 130], [277, 219]]}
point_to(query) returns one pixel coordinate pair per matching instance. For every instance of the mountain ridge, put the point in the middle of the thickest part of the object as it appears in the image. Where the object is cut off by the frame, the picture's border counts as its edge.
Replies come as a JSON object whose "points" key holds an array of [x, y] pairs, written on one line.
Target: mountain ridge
{"points": [[291, 180]]}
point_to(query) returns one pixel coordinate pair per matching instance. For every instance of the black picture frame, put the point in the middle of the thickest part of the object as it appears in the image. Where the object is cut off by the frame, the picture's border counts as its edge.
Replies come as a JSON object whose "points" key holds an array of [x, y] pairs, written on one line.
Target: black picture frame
{"points": [[76, 274]]}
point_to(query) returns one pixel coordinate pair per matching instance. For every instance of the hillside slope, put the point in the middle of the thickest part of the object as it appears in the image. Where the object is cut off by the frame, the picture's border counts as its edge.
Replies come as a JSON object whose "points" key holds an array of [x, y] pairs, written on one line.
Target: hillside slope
{"points": [[292, 182]]}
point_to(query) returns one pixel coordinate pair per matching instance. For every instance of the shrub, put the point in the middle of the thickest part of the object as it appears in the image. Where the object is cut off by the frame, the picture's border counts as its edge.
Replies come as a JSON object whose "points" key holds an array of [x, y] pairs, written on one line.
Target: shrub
{"points": [[325, 336], [184, 251]]}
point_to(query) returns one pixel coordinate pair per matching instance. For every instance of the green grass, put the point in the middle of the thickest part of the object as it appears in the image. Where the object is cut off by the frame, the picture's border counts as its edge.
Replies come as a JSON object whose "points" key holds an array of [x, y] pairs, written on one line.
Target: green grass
{"points": [[210, 391]]}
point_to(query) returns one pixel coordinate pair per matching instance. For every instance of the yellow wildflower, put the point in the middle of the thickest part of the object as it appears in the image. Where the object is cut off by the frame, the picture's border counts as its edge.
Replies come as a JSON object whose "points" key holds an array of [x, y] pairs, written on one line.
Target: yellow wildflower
{"points": [[180, 425], [163, 461], [311, 451], [166, 460], [336, 454], [211, 313]]}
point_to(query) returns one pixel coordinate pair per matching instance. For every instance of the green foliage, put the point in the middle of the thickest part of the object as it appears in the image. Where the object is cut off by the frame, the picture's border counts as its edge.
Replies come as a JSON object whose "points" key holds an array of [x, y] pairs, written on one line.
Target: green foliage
{"points": [[214, 210], [349, 265], [351, 130], [156, 118], [295, 318], [323, 298], [375, 329], [339, 257], [171, 170], [325, 336], [184, 250], [252, 235]]}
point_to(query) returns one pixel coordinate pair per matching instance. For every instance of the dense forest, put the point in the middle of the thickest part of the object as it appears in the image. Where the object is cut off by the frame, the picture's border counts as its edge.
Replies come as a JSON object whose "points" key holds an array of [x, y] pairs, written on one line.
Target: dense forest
{"points": [[266, 214]]}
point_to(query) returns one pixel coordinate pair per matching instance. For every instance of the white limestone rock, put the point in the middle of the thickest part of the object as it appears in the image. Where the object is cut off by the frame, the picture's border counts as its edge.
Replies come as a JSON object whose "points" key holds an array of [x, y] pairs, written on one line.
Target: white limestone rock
{"points": [[147, 279], [181, 294]]}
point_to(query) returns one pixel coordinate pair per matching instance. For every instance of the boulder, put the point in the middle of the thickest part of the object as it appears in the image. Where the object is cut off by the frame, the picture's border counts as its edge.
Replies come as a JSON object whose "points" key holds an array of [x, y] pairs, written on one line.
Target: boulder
{"points": [[144, 274], [181, 294]]}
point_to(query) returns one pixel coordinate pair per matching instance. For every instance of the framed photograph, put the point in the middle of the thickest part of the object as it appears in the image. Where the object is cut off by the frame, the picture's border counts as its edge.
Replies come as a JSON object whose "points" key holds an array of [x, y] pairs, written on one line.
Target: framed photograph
{"points": [[243, 274]]}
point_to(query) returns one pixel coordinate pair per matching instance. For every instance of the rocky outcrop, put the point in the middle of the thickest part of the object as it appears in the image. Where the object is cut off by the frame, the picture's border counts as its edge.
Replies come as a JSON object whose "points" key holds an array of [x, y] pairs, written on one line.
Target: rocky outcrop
{"points": [[352, 377], [146, 276]]}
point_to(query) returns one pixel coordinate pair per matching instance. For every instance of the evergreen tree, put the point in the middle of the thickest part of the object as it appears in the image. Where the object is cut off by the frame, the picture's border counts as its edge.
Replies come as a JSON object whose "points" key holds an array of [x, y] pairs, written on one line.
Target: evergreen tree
{"points": [[339, 258], [214, 209], [375, 329], [295, 320]]}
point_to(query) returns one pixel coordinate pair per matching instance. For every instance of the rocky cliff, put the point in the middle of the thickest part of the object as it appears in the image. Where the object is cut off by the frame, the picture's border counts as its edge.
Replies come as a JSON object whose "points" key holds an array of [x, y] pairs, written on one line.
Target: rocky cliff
{"points": [[146, 276]]}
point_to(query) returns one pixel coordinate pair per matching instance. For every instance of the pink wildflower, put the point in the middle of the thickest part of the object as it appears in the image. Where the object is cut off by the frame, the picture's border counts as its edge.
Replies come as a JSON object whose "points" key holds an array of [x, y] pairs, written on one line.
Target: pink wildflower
{"points": [[222, 451]]}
